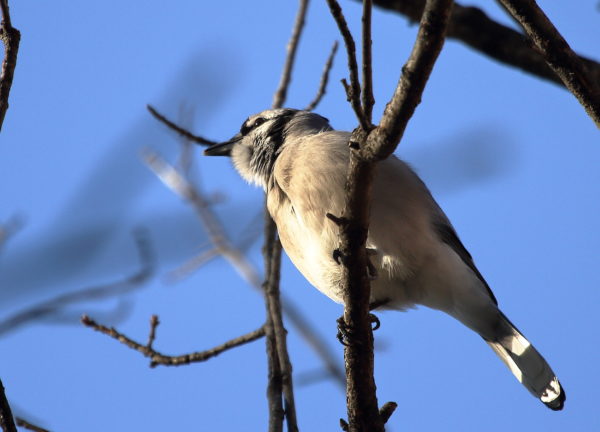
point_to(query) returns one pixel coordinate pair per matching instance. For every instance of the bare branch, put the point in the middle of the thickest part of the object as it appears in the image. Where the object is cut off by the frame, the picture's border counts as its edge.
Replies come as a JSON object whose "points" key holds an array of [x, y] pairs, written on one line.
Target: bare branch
{"points": [[154, 322], [324, 79], [415, 73], [191, 265], [7, 423], [181, 131], [53, 306], [281, 93], [222, 245], [272, 260], [182, 187], [558, 54], [386, 411], [10, 37], [157, 358], [474, 28], [352, 90], [367, 148], [29, 426], [367, 88]]}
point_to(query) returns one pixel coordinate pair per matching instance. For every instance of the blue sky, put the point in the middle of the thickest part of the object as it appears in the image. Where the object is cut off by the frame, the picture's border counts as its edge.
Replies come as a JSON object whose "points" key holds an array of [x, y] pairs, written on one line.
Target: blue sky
{"points": [[513, 161]]}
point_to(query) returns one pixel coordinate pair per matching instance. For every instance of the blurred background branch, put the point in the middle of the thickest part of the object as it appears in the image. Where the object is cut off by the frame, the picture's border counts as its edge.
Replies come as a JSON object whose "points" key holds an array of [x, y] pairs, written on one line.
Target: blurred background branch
{"points": [[57, 305]]}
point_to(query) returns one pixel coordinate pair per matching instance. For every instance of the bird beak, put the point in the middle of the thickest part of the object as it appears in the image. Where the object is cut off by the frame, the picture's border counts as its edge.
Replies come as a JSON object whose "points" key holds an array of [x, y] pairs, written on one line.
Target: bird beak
{"points": [[222, 149]]}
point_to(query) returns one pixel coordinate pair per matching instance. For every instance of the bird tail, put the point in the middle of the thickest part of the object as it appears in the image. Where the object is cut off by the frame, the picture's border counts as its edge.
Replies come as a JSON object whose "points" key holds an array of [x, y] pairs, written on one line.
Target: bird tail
{"points": [[527, 365]]}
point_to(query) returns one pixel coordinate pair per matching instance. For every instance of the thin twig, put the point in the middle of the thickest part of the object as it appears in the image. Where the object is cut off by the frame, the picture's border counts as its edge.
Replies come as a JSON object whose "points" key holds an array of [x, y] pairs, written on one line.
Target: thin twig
{"points": [[29, 426], [181, 131], [154, 322], [281, 93], [7, 423], [352, 90], [10, 37], [474, 28], [53, 306], [324, 79], [367, 81], [157, 358], [558, 54], [279, 365], [222, 245]]}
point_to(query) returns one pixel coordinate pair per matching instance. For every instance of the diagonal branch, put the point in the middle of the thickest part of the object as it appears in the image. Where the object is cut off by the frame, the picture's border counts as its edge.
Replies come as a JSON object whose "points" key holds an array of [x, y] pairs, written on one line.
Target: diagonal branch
{"points": [[7, 423], [558, 54], [415, 73], [55, 305], [29, 426], [324, 79], [222, 245], [181, 131], [10, 37], [352, 90], [475, 29], [281, 93], [157, 358]]}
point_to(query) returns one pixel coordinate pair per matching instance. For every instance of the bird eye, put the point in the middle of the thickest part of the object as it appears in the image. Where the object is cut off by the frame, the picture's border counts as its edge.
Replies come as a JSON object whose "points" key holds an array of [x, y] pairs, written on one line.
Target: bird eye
{"points": [[247, 128], [258, 122]]}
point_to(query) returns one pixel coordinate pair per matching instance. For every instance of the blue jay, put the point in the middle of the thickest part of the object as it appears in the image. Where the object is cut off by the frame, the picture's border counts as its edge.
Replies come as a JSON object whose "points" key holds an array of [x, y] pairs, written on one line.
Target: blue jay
{"points": [[302, 163]]}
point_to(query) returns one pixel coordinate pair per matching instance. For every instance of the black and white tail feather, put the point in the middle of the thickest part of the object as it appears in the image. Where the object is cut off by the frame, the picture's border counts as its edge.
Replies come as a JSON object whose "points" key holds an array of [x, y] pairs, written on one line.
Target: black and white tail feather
{"points": [[527, 365]]}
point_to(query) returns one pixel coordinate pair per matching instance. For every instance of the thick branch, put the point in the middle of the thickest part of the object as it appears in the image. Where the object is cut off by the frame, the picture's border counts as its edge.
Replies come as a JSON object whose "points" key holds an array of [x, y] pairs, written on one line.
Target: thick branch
{"points": [[474, 28], [10, 37], [7, 423], [157, 358], [281, 93], [367, 148], [558, 54]]}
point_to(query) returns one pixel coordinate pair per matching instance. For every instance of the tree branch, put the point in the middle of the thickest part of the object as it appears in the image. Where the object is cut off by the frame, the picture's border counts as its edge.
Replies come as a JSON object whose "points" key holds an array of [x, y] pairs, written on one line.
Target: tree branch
{"points": [[53, 306], [29, 426], [181, 131], [281, 93], [475, 29], [7, 423], [157, 358], [367, 88], [367, 148], [324, 79], [10, 37], [558, 54], [415, 73], [222, 245], [352, 90]]}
